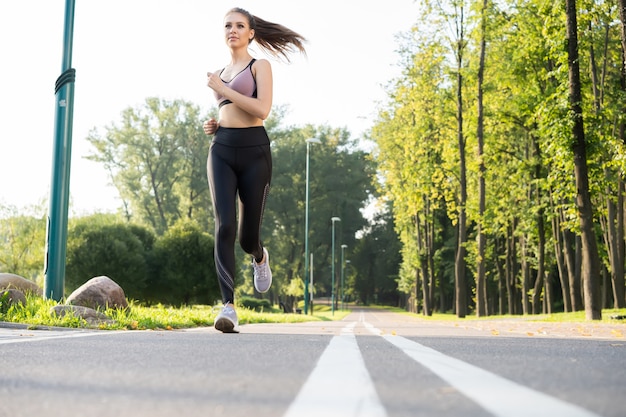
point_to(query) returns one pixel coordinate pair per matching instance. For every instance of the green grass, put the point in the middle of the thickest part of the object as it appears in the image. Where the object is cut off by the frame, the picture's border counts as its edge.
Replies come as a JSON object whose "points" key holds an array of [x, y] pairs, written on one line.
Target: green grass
{"points": [[574, 317], [37, 313]]}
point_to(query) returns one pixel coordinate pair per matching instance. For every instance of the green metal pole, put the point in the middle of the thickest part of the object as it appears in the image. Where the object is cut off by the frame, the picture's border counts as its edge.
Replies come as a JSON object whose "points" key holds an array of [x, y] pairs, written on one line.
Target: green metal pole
{"points": [[306, 236], [306, 229], [56, 234], [343, 265], [332, 292], [312, 286]]}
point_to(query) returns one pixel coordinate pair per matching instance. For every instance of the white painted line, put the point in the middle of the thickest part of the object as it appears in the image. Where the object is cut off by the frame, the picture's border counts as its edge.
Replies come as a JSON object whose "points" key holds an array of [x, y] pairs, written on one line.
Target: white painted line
{"points": [[23, 337], [339, 385], [498, 395]]}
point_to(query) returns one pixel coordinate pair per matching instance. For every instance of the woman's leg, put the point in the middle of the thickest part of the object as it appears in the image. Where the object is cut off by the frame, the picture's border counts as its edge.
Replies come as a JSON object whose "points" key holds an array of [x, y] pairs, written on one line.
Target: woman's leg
{"points": [[254, 184], [223, 185]]}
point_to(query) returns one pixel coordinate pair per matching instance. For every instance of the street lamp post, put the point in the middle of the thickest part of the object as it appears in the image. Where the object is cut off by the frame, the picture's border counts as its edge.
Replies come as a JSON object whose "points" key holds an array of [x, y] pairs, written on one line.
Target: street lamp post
{"points": [[343, 296], [56, 232], [332, 292], [306, 228]]}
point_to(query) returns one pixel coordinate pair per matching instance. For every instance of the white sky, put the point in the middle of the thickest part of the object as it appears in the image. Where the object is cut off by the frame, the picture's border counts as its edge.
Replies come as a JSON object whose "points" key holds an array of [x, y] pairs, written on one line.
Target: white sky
{"points": [[127, 50]]}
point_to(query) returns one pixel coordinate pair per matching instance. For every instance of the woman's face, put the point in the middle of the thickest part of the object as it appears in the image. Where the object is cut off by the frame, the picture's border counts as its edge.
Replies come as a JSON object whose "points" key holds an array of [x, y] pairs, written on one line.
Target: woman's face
{"points": [[237, 30]]}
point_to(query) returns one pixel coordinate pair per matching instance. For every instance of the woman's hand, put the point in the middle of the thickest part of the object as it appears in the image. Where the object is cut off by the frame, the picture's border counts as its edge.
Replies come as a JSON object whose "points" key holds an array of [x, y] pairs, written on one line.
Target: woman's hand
{"points": [[210, 126], [215, 82]]}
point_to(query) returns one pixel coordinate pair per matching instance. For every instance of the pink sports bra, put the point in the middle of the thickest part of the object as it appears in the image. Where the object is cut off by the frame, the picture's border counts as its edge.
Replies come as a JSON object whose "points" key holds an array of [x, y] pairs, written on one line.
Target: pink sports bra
{"points": [[243, 83]]}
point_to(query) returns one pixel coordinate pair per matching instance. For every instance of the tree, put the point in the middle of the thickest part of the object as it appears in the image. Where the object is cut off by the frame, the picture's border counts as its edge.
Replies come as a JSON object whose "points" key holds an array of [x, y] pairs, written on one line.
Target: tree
{"points": [[481, 284], [182, 267], [590, 257], [417, 169], [520, 202], [340, 185], [460, 271], [156, 158], [22, 241], [376, 260]]}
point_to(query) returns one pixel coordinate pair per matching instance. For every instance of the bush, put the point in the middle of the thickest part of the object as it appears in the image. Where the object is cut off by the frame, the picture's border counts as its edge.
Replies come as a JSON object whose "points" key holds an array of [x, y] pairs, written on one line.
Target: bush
{"points": [[255, 304], [97, 248], [183, 268]]}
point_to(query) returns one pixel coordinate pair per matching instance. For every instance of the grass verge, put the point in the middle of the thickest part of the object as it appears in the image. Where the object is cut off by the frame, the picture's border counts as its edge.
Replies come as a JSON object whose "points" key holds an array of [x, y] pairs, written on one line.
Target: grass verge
{"points": [[610, 315], [37, 313]]}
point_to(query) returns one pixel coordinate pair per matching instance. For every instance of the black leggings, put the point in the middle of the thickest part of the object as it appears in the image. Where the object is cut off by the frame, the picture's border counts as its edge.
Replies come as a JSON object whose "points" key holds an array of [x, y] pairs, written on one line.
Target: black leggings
{"points": [[240, 162]]}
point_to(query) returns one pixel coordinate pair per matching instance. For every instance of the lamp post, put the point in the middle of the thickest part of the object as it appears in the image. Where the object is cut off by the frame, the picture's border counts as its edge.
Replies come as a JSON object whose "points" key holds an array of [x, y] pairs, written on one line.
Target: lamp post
{"points": [[312, 286], [306, 227], [332, 292], [56, 232], [343, 248]]}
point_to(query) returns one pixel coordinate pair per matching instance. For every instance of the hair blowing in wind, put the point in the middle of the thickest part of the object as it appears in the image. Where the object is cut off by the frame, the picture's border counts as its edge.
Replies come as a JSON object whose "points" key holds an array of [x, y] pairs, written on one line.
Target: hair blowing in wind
{"points": [[275, 39]]}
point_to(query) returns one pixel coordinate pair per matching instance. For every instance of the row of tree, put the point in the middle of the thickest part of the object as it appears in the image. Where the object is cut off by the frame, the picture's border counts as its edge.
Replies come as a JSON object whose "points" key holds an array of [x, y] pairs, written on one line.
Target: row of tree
{"points": [[156, 157], [505, 134]]}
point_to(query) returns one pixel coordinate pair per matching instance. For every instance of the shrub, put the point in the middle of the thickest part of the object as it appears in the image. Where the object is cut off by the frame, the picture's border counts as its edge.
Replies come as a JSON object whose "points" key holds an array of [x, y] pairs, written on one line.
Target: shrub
{"points": [[115, 250], [255, 304], [183, 268]]}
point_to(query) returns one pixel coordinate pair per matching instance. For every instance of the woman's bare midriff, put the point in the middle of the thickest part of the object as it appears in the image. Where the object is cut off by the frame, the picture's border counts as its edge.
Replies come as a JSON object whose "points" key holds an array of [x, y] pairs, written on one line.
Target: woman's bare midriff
{"points": [[233, 116]]}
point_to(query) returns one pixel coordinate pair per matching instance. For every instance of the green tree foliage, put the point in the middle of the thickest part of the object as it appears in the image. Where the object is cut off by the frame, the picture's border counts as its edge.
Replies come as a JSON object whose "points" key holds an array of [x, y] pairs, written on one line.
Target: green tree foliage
{"points": [[155, 163], [419, 163], [22, 243], [376, 260], [182, 267], [156, 158], [523, 152], [98, 245], [340, 185]]}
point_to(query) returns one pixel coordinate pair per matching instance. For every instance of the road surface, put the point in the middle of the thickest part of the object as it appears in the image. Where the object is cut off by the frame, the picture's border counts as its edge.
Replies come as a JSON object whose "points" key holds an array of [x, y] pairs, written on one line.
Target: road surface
{"points": [[372, 363]]}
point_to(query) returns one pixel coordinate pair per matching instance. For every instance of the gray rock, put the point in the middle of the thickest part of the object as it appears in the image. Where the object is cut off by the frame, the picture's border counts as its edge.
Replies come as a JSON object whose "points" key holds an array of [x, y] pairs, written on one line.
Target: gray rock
{"points": [[19, 283], [90, 315], [13, 296], [99, 293]]}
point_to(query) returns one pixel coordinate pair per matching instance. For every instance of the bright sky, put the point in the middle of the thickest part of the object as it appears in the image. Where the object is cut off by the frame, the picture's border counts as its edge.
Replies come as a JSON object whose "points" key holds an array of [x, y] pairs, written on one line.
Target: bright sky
{"points": [[127, 50]]}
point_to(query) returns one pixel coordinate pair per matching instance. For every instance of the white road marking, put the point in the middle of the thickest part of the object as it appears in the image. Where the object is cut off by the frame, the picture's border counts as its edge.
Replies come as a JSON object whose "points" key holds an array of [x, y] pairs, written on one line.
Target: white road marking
{"points": [[339, 385], [498, 395], [24, 336]]}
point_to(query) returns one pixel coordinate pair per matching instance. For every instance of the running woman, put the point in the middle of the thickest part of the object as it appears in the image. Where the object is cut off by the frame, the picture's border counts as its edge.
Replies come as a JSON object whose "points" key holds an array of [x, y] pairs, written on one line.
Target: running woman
{"points": [[240, 163]]}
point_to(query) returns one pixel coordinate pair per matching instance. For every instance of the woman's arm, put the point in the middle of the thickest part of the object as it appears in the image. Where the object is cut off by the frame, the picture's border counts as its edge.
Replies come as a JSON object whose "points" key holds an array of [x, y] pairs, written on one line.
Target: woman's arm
{"points": [[261, 105]]}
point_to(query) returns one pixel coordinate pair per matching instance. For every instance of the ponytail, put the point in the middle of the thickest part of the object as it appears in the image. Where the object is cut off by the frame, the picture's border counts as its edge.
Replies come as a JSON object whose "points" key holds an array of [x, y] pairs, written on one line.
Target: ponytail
{"points": [[275, 39]]}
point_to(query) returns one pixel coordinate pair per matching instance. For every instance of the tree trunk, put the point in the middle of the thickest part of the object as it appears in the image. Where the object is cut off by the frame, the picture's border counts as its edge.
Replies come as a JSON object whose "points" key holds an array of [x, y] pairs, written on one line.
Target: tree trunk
{"points": [[615, 246], [618, 279], [560, 260], [430, 247], [459, 270], [590, 257], [498, 261], [417, 291], [422, 243], [511, 269], [481, 284], [539, 280], [525, 276], [541, 233]]}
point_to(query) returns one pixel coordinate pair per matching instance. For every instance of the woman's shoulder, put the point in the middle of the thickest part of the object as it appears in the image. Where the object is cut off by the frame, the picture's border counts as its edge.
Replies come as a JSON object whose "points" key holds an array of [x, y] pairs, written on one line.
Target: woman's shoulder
{"points": [[261, 66], [261, 63]]}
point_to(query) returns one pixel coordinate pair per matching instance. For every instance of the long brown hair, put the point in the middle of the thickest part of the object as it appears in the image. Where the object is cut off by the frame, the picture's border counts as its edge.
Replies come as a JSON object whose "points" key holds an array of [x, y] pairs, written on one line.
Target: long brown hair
{"points": [[275, 39]]}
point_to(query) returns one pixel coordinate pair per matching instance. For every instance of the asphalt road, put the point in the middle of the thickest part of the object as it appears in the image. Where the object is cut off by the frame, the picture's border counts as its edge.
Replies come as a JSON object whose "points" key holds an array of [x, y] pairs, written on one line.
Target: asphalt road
{"points": [[372, 363]]}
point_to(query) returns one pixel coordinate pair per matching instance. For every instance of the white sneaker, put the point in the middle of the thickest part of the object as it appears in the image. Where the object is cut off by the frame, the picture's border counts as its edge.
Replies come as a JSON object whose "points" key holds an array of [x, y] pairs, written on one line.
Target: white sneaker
{"points": [[262, 273], [226, 321]]}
